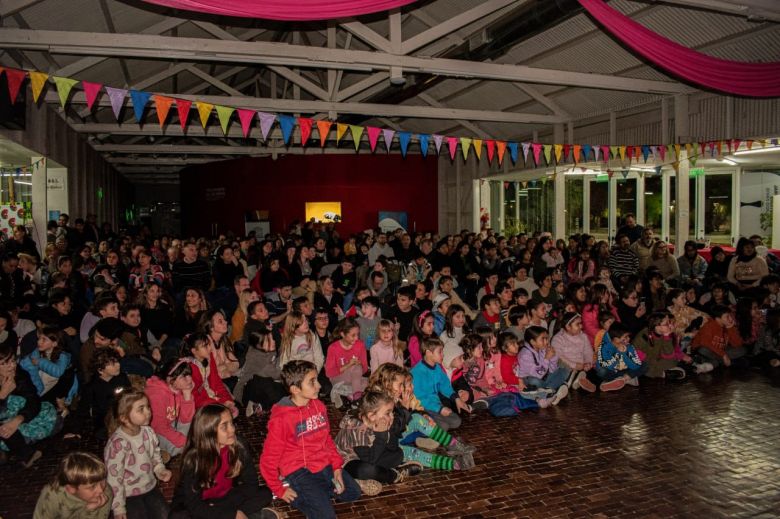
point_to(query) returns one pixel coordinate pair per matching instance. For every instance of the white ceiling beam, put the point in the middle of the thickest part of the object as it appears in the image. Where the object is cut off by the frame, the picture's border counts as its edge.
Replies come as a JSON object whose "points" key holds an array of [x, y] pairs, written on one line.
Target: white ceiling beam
{"points": [[85, 63], [765, 9], [272, 53], [455, 23], [368, 35], [301, 81], [152, 161], [11, 7], [370, 109], [208, 78], [360, 86], [542, 99], [476, 130]]}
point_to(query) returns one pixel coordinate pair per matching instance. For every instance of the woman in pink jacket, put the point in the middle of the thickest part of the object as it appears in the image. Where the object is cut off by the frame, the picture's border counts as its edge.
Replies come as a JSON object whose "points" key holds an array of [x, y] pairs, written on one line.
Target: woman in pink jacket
{"points": [[600, 300], [173, 406]]}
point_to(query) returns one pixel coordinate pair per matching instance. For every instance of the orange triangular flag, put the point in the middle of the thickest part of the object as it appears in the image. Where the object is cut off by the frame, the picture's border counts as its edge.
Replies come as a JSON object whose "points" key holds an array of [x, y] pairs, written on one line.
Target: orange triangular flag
{"points": [[323, 127], [478, 148], [501, 145], [163, 105]]}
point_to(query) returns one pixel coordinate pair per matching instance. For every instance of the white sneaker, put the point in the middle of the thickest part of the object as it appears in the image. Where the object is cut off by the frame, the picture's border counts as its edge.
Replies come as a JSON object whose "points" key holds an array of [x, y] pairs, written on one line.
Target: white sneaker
{"points": [[632, 382], [560, 394], [704, 367], [576, 383], [250, 408], [545, 402]]}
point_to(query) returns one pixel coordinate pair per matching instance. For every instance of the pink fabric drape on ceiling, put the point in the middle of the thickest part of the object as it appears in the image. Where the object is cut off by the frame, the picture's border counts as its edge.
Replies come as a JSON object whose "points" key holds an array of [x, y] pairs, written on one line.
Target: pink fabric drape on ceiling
{"points": [[733, 77], [290, 10]]}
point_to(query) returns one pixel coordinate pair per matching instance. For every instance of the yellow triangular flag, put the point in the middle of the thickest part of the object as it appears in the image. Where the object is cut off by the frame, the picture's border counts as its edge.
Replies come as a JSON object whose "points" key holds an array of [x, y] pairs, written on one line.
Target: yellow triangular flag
{"points": [[558, 152], [622, 151], [224, 113], [547, 152], [357, 132], [677, 149], [204, 110], [478, 148], [64, 86], [614, 150], [341, 129], [465, 144], [37, 82]]}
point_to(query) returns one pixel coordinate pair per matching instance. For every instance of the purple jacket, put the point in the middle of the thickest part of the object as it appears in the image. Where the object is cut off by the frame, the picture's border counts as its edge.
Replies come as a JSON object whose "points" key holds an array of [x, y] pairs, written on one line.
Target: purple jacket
{"points": [[531, 363]]}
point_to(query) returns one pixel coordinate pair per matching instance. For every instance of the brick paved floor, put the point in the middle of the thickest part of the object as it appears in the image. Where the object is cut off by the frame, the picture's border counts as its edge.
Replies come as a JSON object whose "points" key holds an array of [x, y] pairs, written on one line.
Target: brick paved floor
{"points": [[705, 448]]}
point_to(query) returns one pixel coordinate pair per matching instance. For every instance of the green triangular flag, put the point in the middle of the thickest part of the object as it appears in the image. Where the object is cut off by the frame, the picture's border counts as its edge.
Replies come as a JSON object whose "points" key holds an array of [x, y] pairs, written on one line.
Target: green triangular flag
{"points": [[547, 151], [465, 144], [64, 86], [224, 113], [357, 132]]}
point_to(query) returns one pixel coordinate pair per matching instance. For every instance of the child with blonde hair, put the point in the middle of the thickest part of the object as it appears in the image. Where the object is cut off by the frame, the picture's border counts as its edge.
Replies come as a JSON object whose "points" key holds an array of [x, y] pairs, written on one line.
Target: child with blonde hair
{"points": [[388, 348], [78, 490]]}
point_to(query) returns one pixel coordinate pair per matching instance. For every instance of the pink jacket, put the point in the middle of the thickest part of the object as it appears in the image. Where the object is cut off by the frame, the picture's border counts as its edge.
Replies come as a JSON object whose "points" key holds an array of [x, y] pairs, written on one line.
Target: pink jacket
{"points": [[590, 320], [168, 409]]}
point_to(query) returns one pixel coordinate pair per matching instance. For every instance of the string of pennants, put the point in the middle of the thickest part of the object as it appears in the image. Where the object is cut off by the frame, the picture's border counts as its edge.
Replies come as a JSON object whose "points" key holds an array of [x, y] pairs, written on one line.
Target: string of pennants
{"points": [[18, 170], [551, 153]]}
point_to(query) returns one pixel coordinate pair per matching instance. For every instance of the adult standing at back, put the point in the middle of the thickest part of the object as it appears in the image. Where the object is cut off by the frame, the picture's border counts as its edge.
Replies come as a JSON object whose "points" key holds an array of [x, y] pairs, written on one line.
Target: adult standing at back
{"points": [[191, 271], [631, 229], [380, 248]]}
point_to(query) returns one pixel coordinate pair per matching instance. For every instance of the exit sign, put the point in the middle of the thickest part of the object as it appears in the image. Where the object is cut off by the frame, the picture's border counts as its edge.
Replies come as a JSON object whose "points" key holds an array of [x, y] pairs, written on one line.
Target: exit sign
{"points": [[696, 172]]}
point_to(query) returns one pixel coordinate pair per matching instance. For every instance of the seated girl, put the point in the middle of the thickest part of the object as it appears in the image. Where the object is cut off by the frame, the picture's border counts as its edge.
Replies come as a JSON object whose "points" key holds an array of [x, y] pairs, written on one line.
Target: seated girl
{"points": [[51, 371], [347, 362], [574, 351], [207, 386], [537, 365], [388, 348], [661, 346], [173, 405], [259, 387]]}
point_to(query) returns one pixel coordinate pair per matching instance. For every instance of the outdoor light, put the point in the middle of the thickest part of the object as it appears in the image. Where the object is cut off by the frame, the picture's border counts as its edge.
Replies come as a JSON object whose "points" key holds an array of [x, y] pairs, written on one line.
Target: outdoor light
{"points": [[762, 150]]}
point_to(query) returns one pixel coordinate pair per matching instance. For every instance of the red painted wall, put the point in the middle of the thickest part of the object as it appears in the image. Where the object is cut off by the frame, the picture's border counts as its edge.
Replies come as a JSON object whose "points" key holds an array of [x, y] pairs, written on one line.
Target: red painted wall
{"points": [[364, 184]]}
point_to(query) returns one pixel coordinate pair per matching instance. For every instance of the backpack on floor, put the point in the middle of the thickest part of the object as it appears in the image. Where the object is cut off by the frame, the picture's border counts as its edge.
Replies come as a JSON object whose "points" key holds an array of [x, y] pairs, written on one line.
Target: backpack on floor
{"points": [[509, 404]]}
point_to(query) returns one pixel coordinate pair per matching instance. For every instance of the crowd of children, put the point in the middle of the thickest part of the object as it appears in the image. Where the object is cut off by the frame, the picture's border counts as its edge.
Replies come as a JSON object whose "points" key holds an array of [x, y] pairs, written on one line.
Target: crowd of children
{"points": [[159, 344]]}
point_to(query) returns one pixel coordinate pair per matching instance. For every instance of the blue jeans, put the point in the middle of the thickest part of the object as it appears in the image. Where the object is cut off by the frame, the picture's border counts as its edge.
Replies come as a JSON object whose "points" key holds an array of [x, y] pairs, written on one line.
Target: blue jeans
{"points": [[315, 490], [607, 374], [553, 380]]}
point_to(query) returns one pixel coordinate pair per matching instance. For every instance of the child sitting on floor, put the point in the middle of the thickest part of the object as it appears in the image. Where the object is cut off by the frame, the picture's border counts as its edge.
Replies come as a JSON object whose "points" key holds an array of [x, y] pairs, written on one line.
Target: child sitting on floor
{"points": [[618, 361], [388, 348], [78, 491], [537, 366], [346, 362], [574, 350]]}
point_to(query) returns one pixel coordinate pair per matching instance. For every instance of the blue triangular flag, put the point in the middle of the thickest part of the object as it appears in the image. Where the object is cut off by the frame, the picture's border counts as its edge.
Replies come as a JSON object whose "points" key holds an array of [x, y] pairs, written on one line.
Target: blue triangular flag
{"points": [[658, 170], [287, 123], [586, 149], [140, 99], [404, 138], [512, 151], [424, 143], [645, 152]]}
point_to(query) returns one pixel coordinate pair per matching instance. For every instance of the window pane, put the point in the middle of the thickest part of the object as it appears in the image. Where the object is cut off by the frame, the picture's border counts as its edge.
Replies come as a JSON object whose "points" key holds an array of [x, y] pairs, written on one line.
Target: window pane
{"points": [[599, 217], [717, 208], [653, 207]]}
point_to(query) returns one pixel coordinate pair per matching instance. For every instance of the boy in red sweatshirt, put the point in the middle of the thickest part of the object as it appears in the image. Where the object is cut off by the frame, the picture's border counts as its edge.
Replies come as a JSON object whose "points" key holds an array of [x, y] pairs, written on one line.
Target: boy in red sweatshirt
{"points": [[718, 340], [300, 463]]}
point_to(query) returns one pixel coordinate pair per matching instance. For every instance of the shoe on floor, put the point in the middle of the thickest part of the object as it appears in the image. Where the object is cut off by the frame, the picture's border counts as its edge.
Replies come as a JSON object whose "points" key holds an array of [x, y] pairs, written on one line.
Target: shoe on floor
{"points": [[674, 374], [572, 378], [32, 459], [464, 461], [587, 385], [633, 381], [426, 444], [480, 404], [704, 367], [560, 394], [407, 470], [270, 513], [544, 403], [613, 385], [369, 487], [578, 380], [460, 447]]}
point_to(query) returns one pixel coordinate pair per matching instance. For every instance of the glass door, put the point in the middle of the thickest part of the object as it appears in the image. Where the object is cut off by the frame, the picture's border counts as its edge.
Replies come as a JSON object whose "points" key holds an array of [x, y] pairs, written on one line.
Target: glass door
{"points": [[626, 199], [718, 208], [599, 207]]}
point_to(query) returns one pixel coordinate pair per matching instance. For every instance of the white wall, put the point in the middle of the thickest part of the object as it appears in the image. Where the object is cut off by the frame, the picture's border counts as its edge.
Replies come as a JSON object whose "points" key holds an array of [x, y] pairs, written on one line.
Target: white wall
{"points": [[756, 185]]}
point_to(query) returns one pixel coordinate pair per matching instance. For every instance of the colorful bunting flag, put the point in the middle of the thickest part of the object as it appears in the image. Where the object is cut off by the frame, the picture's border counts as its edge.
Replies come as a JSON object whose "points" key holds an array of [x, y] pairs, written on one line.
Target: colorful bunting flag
{"points": [[526, 146], [423, 143], [341, 129], [465, 144], [577, 152], [305, 124], [547, 153], [491, 147], [64, 86], [224, 113], [605, 153], [677, 149], [388, 135], [478, 148], [622, 151], [163, 105], [15, 78], [586, 152], [246, 117], [501, 145], [624, 172], [749, 143], [357, 132], [183, 108], [117, 98], [286, 123], [452, 143], [204, 111], [662, 152], [403, 139], [91, 91], [512, 151], [558, 152], [373, 136], [537, 149], [596, 150], [614, 151], [37, 82], [139, 99], [266, 122], [566, 151], [735, 144], [645, 152], [323, 128], [437, 140]]}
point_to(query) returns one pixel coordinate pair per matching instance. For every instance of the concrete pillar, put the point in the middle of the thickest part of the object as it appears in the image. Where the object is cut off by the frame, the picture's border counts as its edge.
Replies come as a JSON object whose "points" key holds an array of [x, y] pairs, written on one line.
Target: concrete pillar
{"points": [[475, 204], [640, 199], [559, 224], [458, 197], [681, 134], [665, 121], [665, 204], [39, 206]]}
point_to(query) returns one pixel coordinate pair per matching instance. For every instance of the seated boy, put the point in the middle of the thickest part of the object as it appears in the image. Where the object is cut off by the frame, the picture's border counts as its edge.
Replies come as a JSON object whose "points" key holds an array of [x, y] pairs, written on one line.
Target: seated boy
{"points": [[719, 341], [432, 387], [618, 361], [78, 490], [300, 462], [490, 313]]}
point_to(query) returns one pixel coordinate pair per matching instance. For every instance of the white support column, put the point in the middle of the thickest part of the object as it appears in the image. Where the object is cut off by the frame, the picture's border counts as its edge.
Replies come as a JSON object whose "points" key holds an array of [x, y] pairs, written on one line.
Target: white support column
{"points": [[517, 203], [585, 205], [640, 199], [458, 196], [665, 205], [700, 206], [559, 210], [501, 207], [40, 214], [736, 189], [665, 121], [476, 198], [682, 194], [612, 208]]}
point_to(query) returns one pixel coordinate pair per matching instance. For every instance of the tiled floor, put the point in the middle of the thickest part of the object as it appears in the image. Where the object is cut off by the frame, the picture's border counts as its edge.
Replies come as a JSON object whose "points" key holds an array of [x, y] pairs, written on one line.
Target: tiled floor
{"points": [[704, 448]]}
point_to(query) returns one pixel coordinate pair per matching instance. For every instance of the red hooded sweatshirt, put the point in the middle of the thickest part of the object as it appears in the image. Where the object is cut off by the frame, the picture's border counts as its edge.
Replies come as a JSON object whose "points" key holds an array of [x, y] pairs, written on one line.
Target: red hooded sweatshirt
{"points": [[213, 391], [298, 437], [168, 409]]}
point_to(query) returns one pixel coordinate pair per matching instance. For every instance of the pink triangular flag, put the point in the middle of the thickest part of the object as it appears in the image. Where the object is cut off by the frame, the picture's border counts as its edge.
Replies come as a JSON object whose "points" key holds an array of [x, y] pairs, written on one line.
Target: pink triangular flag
{"points": [[662, 152], [183, 107], [91, 91], [491, 145], [246, 117], [437, 140], [452, 142], [605, 153], [735, 145], [526, 146], [388, 135], [117, 98], [305, 125], [266, 121], [537, 147], [373, 136]]}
